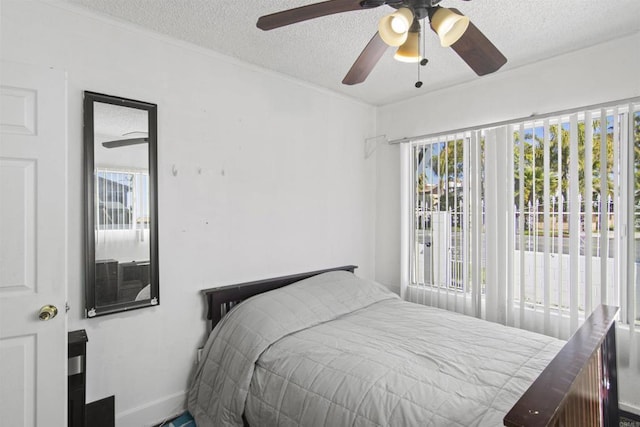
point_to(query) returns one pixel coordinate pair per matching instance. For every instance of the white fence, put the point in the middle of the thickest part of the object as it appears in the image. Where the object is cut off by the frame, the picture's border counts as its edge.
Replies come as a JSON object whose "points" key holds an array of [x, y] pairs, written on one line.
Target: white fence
{"points": [[439, 255]]}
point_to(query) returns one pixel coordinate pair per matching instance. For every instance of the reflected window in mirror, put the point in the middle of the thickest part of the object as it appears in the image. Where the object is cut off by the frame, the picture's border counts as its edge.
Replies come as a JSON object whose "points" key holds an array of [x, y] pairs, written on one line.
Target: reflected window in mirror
{"points": [[123, 200], [121, 204]]}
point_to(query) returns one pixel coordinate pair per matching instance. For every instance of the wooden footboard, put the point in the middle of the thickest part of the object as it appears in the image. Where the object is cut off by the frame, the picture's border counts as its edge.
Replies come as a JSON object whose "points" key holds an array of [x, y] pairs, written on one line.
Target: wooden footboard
{"points": [[579, 387]]}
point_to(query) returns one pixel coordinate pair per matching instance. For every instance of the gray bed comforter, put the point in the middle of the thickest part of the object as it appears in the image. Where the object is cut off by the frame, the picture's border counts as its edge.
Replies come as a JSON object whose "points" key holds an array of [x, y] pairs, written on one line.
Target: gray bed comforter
{"points": [[337, 350]]}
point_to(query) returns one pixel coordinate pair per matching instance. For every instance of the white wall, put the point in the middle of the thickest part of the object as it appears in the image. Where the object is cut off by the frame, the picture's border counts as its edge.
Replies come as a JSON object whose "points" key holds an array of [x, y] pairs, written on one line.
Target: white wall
{"points": [[602, 73], [271, 179]]}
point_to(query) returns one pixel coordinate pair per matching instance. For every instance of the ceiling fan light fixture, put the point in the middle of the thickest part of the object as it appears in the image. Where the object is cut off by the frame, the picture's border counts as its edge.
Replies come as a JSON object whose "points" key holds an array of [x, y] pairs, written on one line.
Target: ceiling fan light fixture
{"points": [[449, 25], [394, 28], [409, 51]]}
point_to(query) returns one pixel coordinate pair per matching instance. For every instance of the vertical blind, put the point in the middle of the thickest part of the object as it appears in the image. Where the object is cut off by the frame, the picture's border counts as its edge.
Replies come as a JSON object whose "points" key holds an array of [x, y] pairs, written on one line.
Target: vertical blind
{"points": [[530, 224]]}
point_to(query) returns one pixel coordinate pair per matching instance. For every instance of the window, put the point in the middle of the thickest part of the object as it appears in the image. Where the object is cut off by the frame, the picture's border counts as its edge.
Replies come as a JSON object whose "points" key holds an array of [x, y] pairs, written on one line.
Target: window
{"points": [[122, 202], [526, 223]]}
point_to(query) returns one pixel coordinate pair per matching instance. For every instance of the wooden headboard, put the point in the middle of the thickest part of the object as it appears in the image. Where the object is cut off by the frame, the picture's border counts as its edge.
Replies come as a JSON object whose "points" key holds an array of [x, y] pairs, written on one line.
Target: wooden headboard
{"points": [[220, 300]]}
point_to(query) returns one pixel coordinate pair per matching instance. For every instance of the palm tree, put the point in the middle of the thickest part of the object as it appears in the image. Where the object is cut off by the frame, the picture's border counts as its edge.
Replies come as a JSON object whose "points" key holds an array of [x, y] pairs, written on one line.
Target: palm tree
{"points": [[559, 140], [448, 164]]}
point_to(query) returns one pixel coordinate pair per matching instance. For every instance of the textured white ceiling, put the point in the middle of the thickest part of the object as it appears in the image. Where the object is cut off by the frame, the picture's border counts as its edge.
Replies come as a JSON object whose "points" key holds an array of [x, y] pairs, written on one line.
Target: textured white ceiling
{"points": [[322, 50]]}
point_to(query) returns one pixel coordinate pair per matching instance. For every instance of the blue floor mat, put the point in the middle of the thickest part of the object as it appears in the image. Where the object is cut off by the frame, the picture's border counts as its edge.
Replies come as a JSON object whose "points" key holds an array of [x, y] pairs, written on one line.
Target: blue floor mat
{"points": [[184, 420]]}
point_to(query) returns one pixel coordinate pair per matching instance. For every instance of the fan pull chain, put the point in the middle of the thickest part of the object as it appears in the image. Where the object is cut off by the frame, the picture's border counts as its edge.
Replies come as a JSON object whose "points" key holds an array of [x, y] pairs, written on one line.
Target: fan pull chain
{"points": [[424, 60]]}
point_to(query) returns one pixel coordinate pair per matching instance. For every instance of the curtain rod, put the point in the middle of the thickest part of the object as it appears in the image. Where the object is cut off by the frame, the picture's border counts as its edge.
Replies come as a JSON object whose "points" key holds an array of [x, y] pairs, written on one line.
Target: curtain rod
{"points": [[512, 121]]}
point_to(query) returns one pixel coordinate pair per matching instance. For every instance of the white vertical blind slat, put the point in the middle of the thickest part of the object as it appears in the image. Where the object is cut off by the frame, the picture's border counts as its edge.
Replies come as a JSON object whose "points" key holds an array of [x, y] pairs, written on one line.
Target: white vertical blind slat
{"points": [[618, 204], [431, 236], [588, 212], [604, 208], [457, 248], [406, 219], [436, 240], [476, 235], [627, 194], [521, 210], [416, 222], [501, 225], [533, 218], [415, 249], [560, 281], [546, 232], [491, 225], [511, 246], [630, 250], [420, 241], [466, 227], [574, 223]]}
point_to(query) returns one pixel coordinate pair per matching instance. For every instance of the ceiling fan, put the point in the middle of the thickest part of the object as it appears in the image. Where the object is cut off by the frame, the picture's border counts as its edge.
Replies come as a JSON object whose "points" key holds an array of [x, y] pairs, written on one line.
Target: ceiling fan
{"points": [[124, 142], [402, 29], [139, 138]]}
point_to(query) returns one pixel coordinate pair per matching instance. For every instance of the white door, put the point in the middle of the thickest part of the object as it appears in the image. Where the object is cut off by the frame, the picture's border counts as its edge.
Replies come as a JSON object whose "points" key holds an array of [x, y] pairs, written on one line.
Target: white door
{"points": [[33, 245]]}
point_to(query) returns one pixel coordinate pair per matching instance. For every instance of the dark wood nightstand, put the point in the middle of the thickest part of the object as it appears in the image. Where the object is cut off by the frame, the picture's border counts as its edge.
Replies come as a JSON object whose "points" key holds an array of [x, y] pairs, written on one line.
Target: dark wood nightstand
{"points": [[77, 379]]}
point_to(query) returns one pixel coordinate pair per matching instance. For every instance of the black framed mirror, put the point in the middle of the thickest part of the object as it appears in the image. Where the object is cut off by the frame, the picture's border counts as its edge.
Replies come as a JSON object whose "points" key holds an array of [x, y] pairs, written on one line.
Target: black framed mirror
{"points": [[121, 204]]}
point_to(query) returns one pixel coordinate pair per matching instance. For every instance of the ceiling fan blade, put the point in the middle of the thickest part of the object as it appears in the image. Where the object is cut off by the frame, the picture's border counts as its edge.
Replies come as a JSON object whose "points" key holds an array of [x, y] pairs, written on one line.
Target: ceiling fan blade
{"points": [[124, 142], [478, 51], [303, 13], [369, 57]]}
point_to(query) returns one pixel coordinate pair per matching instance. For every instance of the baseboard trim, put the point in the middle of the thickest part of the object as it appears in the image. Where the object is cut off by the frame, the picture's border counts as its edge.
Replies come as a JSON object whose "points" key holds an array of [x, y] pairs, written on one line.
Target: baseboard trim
{"points": [[629, 409], [154, 412]]}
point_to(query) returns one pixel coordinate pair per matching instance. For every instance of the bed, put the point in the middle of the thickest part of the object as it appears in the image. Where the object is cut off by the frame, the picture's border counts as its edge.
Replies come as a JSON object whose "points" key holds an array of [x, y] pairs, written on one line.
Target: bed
{"points": [[326, 348]]}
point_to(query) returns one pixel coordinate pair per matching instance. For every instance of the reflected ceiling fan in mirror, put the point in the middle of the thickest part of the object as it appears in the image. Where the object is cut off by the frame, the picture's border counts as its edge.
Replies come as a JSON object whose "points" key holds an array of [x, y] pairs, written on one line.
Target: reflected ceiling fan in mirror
{"points": [[138, 138], [402, 29]]}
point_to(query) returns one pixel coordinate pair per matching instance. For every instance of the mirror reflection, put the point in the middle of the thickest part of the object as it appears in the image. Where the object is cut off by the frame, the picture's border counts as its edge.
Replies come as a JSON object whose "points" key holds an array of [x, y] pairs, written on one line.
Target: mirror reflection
{"points": [[122, 246]]}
